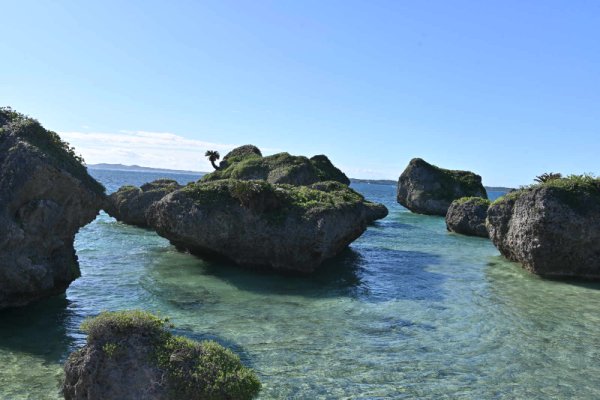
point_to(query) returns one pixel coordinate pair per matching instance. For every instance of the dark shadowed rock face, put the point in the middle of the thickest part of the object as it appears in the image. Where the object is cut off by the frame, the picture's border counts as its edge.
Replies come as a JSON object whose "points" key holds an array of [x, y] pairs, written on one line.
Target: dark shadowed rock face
{"points": [[553, 229], [129, 204], [254, 223], [247, 163], [132, 355], [467, 216], [46, 195], [426, 189]]}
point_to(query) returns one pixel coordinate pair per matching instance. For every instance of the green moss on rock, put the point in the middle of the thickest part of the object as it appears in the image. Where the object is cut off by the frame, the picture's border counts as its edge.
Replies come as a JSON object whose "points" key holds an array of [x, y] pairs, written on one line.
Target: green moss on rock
{"points": [[194, 370], [49, 144], [478, 201]]}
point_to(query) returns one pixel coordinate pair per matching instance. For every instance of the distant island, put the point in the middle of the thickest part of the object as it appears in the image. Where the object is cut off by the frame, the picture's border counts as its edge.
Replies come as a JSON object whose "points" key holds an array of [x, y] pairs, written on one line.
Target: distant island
{"points": [[137, 168]]}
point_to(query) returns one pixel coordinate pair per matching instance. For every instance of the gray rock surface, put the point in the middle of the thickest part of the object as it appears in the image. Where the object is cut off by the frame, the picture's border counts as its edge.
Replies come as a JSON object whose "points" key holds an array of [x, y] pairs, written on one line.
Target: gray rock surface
{"points": [[467, 216], [254, 223], [46, 195], [551, 231], [129, 204], [426, 189]]}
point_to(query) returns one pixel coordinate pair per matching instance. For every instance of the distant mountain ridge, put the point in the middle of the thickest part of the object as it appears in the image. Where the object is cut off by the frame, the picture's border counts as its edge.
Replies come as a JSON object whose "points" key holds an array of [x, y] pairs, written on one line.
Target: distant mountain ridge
{"points": [[138, 168]]}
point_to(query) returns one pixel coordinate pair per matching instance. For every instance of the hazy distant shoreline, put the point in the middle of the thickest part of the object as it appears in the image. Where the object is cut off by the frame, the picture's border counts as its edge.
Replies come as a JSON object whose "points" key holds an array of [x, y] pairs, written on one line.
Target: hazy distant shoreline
{"points": [[138, 168]]}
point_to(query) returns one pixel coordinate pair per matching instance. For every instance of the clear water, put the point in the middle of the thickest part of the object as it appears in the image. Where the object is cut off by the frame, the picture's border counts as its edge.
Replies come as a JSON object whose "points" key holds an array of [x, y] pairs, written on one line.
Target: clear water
{"points": [[408, 311]]}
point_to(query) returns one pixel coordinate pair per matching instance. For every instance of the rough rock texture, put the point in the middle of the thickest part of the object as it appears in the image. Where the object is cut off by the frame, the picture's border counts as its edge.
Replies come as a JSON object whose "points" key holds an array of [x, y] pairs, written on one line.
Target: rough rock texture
{"points": [[129, 204], [255, 223], [131, 355], [46, 195], [551, 231], [426, 189], [467, 216], [247, 163]]}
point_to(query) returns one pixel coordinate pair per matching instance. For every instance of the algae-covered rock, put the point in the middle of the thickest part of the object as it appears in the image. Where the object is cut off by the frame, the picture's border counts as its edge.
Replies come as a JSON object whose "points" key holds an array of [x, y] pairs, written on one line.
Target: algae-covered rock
{"points": [[130, 203], [255, 223], [426, 189], [46, 195], [132, 355], [247, 163], [552, 229], [467, 216]]}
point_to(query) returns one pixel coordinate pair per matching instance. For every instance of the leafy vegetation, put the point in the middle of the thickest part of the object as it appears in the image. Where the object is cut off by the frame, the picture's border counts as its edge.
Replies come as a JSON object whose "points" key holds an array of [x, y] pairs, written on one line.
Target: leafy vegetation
{"points": [[49, 144], [578, 191], [478, 201], [547, 176], [194, 370], [213, 156]]}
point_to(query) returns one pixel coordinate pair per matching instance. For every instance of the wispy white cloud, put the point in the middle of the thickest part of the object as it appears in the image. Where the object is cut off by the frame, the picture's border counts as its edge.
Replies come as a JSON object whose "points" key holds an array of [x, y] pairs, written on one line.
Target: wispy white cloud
{"points": [[150, 149]]}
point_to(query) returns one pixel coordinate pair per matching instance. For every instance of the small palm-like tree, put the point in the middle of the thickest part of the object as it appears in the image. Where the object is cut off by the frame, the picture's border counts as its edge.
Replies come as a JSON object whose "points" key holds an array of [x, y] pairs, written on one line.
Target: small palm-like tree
{"points": [[547, 177], [213, 156]]}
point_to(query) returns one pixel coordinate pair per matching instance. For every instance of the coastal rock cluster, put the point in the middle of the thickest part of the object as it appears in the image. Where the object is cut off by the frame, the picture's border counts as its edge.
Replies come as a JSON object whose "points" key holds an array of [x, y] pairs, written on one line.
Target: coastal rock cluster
{"points": [[129, 204], [426, 189], [552, 229], [245, 212], [46, 195], [132, 355], [467, 216]]}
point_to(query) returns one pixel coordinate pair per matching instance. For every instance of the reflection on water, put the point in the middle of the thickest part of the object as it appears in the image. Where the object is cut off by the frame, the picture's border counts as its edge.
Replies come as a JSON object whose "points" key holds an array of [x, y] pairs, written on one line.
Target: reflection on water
{"points": [[408, 311]]}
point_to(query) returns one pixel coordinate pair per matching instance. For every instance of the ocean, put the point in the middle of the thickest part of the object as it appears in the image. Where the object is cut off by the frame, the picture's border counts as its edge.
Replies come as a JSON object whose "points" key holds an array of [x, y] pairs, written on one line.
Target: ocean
{"points": [[407, 311]]}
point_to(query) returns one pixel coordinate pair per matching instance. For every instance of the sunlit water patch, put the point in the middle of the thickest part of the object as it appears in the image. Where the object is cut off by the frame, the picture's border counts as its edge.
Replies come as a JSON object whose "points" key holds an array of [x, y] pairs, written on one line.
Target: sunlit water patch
{"points": [[408, 311]]}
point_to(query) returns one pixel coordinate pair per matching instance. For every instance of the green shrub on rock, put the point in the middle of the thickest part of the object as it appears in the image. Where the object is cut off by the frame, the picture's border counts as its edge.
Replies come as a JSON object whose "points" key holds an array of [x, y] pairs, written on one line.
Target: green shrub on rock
{"points": [[177, 367]]}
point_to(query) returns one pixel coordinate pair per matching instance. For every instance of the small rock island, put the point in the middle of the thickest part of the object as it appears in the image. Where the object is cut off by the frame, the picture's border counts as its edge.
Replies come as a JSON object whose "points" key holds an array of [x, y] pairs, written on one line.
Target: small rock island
{"points": [[133, 355], [467, 216], [551, 228], [284, 212], [46, 195], [426, 189]]}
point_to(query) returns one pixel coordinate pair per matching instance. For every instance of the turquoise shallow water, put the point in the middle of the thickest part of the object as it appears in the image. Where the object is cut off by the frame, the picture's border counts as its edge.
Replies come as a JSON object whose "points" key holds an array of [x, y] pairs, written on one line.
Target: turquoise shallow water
{"points": [[408, 311]]}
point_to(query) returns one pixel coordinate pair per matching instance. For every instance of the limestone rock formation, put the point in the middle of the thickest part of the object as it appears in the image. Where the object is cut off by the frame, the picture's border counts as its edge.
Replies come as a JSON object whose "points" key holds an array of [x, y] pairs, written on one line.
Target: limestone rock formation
{"points": [[247, 163], [46, 195], [132, 355], [426, 189], [467, 216], [255, 223], [552, 229], [129, 204]]}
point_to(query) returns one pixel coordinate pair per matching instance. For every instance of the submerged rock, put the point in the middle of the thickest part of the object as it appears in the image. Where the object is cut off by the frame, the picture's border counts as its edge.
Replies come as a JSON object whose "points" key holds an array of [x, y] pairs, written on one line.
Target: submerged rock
{"points": [[255, 223], [426, 189], [132, 355], [247, 163], [467, 216], [130, 203], [552, 229], [46, 195]]}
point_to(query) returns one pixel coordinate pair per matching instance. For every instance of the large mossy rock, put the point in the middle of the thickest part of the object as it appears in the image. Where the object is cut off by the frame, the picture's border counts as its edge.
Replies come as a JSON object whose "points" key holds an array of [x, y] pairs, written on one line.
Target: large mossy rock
{"points": [[132, 355], [426, 189], [247, 163], [46, 195], [552, 229], [467, 216], [130, 203], [255, 223]]}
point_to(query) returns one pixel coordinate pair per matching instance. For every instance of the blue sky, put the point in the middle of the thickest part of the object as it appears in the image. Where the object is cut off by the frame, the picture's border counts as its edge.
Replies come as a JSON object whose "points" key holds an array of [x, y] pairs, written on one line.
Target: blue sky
{"points": [[508, 89]]}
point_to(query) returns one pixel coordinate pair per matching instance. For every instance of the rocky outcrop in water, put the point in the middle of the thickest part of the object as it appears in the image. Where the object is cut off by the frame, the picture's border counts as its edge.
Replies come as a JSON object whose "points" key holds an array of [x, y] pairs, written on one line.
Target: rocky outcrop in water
{"points": [[46, 195], [552, 229], [426, 189], [247, 163], [130, 203], [255, 223], [132, 355], [467, 216]]}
